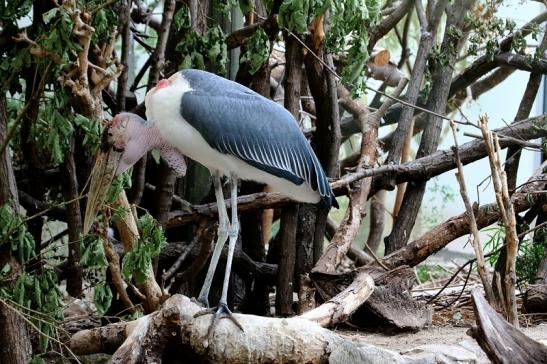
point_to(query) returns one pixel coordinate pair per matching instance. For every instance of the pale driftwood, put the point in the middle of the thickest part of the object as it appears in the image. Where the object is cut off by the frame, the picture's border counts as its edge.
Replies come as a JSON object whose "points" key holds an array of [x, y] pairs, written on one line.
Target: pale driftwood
{"points": [[106, 339], [502, 342], [265, 339], [339, 308]]}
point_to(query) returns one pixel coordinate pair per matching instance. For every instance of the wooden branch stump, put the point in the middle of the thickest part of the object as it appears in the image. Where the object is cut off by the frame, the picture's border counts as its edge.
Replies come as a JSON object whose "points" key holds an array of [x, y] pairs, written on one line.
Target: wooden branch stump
{"points": [[535, 299], [390, 306], [502, 342]]}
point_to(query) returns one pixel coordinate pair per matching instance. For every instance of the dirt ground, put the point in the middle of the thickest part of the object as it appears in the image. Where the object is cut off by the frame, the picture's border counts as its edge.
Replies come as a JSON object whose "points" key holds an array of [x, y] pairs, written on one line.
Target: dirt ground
{"points": [[449, 328], [433, 335]]}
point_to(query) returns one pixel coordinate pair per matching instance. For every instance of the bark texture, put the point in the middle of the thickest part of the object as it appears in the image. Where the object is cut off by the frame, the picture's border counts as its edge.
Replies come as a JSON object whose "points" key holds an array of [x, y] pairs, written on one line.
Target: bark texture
{"points": [[442, 75], [14, 338], [438, 237], [264, 339], [502, 342]]}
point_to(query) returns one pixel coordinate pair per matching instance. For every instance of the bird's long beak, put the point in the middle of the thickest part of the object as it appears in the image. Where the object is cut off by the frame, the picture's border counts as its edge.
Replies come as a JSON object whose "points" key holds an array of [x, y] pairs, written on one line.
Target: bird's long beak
{"points": [[101, 177]]}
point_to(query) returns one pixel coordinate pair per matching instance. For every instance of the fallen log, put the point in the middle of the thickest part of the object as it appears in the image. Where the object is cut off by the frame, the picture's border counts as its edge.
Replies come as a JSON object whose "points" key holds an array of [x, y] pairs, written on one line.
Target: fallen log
{"points": [[535, 299], [393, 310], [265, 339], [501, 341]]}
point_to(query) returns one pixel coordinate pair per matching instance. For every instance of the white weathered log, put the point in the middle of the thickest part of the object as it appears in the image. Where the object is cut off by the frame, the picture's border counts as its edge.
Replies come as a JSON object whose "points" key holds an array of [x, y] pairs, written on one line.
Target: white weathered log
{"points": [[265, 339]]}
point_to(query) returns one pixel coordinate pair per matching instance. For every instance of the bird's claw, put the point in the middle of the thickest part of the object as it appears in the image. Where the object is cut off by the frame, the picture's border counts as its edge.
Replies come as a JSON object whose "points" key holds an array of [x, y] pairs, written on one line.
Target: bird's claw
{"points": [[219, 312]]}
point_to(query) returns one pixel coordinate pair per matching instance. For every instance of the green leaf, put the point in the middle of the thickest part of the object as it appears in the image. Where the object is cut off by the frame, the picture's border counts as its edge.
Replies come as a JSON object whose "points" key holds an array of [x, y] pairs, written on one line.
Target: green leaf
{"points": [[182, 19], [13, 230], [246, 6], [36, 360], [102, 297], [206, 51], [156, 154], [138, 262], [257, 51], [47, 16], [5, 270], [93, 251], [119, 183]]}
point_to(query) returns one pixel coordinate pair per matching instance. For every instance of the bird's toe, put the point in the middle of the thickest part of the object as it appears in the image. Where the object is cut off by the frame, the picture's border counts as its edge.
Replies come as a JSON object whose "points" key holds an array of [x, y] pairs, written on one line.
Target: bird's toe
{"points": [[219, 312]]}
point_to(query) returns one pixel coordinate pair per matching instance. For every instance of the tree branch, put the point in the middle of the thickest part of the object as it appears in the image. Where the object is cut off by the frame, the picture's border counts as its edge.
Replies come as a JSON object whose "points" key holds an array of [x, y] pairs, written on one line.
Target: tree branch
{"points": [[437, 238], [389, 22], [422, 168]]}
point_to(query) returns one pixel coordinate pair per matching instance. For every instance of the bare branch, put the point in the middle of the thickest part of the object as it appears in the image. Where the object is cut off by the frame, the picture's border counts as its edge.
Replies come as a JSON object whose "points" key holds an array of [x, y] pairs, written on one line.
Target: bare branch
{"points": [[437, 238], [388, 23], [240, 36], [475, 240], [505, 205]]}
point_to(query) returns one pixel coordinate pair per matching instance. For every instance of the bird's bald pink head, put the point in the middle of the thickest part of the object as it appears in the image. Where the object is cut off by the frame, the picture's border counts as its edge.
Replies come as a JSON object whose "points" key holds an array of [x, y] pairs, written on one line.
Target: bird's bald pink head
{"points": [[131, 135]]}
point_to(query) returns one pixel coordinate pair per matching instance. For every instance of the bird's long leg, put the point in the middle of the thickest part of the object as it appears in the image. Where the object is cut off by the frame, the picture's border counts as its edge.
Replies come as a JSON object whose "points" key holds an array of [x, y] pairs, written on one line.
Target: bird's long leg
{"points": [[233, 235], [222, 309], [223, 226]]}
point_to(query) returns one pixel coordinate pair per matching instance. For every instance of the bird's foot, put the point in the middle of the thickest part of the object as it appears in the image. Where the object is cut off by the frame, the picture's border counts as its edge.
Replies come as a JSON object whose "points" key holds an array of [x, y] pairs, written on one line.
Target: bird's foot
{"points": [[219, 312]]}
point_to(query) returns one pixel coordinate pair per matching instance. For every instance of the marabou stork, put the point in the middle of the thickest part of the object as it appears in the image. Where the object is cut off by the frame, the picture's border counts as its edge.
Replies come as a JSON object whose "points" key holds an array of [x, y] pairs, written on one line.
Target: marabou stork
{"points": [[229, 129]]}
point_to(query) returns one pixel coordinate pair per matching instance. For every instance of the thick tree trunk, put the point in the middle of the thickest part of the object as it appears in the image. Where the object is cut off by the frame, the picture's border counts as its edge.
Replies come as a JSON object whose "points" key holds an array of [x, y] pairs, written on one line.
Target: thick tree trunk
{"points": [[535, 299], [287, 256], [74, 222], [14, 339], [431, 136], [326, 139]]}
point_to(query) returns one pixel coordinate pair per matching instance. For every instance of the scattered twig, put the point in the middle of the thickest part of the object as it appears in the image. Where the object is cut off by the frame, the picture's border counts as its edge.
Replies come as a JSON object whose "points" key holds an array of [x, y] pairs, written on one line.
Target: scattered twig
{"points": [[40, 332], [540, 226], [376, 258], [167, 275]]}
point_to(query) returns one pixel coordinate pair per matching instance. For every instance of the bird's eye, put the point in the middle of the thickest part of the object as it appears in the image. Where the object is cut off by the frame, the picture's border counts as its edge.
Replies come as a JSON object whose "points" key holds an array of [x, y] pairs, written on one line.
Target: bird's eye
{"points": [[110, 134]]}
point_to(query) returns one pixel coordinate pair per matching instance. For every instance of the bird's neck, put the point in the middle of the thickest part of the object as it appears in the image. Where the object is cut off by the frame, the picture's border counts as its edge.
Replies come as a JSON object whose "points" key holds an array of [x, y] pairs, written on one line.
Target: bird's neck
{"points": [[150, 138]]}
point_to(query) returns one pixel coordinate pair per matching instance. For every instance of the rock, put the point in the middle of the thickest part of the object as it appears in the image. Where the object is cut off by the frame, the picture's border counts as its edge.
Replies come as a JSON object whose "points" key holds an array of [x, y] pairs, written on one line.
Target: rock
{"points": [[367, 354], [445, 354]]}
